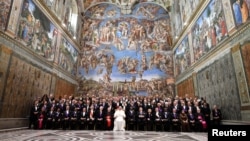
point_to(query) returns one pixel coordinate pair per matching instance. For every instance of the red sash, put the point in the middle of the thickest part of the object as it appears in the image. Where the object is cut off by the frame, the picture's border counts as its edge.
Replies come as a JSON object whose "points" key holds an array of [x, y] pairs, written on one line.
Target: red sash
{"points": [[204, 124], [108, 118], [40, 122]]}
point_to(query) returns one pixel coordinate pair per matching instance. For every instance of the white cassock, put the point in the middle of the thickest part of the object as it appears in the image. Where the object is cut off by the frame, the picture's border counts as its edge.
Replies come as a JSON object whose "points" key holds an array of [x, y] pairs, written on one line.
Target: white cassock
{"points": [[119, 123]]}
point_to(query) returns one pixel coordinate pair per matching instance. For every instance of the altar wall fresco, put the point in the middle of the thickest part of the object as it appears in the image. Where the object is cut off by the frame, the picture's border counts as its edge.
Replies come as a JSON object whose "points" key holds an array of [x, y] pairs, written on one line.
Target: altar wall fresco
{"points": [[217, 84], [126, 53]]}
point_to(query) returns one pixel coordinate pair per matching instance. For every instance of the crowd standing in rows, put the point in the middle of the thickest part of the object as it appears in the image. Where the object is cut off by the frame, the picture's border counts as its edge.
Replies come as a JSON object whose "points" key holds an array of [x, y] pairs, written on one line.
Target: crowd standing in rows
{"points": [[142, 113]]}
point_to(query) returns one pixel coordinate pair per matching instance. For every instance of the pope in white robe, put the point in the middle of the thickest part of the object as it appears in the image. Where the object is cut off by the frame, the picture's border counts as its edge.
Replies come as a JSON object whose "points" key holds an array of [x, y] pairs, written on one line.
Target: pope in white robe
{"points": [[119, 122]]}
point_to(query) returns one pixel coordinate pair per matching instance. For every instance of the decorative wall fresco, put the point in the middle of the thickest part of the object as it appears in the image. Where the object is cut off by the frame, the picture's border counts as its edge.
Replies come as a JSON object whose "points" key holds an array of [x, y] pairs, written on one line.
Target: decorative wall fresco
{"points": [[241, 9], [67, 12], [4, 13], [24, 83], [15, 12], [70, 15], [229, 16], [209, 30], [181, 12], [176, 19], [187, 9], [68, 56], [240, 76], [56, 7], [186, 87], [245, 51], [218, 85], [127, 49], [182, 56], [36, 31]]}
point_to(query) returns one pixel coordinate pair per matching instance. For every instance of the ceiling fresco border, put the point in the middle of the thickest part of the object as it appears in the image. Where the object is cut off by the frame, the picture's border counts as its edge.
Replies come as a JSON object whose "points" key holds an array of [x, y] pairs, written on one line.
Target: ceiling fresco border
{"points": [[135, 11]]}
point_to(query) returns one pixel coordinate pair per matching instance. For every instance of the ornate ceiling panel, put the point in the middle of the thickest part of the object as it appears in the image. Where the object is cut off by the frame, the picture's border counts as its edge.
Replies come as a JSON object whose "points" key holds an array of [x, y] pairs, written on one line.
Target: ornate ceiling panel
{"points": [[125, 4]]}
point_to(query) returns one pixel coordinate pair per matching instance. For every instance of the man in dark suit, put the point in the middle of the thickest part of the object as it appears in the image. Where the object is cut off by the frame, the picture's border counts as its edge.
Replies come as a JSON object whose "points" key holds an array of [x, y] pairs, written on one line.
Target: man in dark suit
{"points": [[74, 116], [130, 118], [149, 120], [175, 120], [50, 115], [166, 119], [157, 119], [57, 119], [141, 118], [83, 119], [34, 115], [99, 116], [216, 114], [66, 118], [192, 120], [91, 118]]}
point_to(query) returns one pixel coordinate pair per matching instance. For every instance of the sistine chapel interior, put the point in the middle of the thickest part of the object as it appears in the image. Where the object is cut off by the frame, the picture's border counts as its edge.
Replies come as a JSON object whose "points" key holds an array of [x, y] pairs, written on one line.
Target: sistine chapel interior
{"points": [[117, 48]]}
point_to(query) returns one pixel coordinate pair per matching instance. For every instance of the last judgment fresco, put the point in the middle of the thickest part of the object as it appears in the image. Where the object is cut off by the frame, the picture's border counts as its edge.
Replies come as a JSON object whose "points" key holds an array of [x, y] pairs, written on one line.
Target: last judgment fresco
{"points": [[127, 54]]}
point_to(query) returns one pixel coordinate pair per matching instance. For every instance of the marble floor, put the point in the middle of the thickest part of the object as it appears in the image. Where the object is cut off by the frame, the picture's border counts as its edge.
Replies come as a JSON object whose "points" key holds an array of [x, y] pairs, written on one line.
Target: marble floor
{"points": [[69, 135]]}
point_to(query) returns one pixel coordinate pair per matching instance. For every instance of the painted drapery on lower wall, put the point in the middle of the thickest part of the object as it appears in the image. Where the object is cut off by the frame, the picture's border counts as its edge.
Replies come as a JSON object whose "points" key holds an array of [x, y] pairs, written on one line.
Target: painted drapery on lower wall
{"points": [[218, 85], [186, 88], [21, 82], [24, 83]]}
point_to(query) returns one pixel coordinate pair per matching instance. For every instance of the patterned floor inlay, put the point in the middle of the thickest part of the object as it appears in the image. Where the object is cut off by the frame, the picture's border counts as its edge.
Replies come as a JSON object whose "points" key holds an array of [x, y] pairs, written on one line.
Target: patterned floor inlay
{"points": [[69, 135]]}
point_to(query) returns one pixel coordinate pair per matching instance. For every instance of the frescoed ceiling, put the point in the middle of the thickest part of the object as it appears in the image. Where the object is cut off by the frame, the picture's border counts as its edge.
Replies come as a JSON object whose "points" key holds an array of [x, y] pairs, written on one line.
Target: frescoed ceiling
{"points": [[124, 4], [126, 45]]}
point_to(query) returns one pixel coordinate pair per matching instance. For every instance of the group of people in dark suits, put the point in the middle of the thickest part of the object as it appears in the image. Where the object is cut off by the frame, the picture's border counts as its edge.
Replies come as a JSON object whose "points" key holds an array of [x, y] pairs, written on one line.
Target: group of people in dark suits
{"points": [[151, 113]]}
